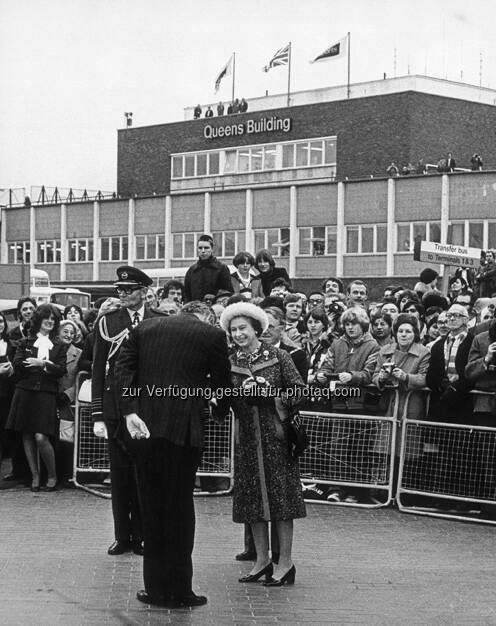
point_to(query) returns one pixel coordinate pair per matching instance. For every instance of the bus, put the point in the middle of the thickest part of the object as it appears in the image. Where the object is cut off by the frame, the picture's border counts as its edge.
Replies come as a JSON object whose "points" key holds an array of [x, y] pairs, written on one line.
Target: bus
{"points": [[43, 293]]}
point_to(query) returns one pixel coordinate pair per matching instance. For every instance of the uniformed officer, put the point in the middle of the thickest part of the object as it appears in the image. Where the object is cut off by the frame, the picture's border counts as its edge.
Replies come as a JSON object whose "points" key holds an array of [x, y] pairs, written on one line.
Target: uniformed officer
{"points": [[110, 332]]}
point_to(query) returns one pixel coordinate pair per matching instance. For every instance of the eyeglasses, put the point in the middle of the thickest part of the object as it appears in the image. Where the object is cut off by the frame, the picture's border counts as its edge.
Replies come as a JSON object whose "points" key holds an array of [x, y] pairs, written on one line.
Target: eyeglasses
{"points": [[442, 323], [127, 290], [455, 316], [317, 301]]}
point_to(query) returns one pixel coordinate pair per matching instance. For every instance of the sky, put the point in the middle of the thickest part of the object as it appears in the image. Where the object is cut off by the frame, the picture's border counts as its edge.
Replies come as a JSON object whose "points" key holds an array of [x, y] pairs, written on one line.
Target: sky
{"points": [[69, 69]]}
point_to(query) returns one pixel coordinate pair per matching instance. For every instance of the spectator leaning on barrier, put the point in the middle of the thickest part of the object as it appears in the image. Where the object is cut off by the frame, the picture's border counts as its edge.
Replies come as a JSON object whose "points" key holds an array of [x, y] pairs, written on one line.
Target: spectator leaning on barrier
{"points": [[481, 373], [207, 275], [220, 109], [351, 358], [403, 365], [197, 111], [450, 400]]}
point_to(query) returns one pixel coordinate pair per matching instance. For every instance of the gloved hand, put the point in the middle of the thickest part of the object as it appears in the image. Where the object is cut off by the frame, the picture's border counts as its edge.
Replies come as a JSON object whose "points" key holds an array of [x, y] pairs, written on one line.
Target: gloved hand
{"points": [[100, 430]]}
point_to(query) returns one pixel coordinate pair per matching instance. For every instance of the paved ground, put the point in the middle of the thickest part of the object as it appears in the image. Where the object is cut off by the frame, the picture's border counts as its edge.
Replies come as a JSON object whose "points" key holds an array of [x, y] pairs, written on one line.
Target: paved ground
{"points": [[353, 567]]}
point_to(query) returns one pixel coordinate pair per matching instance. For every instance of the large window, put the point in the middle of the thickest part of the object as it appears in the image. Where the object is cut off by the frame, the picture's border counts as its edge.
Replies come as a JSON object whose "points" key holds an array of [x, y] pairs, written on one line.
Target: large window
{"points": [[276, 156], [19, 251], [114, 248], [150, 247], [471, 233], [48, 251], [316, 240], [80, 250], [184, 245], [275, 240], [366, 239], [229, 243], [408, 232]]}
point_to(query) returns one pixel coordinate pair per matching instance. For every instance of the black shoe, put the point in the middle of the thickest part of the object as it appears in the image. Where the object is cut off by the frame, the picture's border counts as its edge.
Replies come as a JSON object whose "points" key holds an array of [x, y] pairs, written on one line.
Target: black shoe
{"points": [[119, 547], [146, 598], [252, 578], [287, 579], [246, 556], [190, 600], [137, 547]]}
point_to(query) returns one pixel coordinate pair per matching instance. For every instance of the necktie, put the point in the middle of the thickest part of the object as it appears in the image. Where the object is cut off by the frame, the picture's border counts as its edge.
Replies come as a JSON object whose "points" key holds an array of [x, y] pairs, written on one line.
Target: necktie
{"points": [[136, 319]]}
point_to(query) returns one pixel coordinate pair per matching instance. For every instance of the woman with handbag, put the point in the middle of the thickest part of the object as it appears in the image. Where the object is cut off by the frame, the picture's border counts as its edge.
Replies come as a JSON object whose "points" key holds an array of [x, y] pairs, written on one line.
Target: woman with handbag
{"points": [[39, 363], [266, 481]]}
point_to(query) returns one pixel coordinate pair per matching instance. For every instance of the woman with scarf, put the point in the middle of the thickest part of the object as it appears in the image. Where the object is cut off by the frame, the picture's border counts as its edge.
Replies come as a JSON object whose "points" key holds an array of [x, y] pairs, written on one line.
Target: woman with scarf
{"points": [[39, 363]]}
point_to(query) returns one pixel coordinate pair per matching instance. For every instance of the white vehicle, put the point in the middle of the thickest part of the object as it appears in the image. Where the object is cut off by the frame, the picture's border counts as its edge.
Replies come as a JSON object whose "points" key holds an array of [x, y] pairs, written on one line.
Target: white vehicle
{"points": [[43, 293], [162, 274]]}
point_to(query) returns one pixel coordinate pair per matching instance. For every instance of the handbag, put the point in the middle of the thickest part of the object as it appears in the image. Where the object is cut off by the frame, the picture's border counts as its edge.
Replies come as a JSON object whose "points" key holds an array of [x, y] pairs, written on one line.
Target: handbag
{"points": [[84, 394], [66, 431], [297, 435]]}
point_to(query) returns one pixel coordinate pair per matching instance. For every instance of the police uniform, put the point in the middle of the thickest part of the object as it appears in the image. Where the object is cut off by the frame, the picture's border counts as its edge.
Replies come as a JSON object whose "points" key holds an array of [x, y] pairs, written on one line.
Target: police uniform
{"points": [[110, 332]]}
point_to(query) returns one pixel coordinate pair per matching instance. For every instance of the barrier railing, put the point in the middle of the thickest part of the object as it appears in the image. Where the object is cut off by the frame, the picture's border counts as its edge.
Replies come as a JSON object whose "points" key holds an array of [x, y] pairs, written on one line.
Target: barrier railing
{"points": [[352, 453], [215, 473], [448, 470]]}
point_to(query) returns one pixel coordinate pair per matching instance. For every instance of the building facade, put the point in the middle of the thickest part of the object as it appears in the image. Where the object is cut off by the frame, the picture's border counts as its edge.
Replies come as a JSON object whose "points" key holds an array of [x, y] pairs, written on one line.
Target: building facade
{"points": [[306, 182]]}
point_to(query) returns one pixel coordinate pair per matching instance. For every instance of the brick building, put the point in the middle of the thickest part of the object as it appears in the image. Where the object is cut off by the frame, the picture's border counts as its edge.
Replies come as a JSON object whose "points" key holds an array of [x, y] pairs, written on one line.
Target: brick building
{"points": [[306, 181]]}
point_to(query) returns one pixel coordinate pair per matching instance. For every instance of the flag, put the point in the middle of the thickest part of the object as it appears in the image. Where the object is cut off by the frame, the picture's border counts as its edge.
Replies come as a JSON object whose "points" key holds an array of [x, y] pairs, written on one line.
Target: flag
{"points": [[281, 57], [336, 51], [225, 71]]}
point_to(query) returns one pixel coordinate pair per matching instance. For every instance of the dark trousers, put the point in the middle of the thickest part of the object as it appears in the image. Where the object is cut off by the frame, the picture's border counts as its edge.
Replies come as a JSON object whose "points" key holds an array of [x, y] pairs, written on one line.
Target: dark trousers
{"points": [[125, 501], [166, 479]]}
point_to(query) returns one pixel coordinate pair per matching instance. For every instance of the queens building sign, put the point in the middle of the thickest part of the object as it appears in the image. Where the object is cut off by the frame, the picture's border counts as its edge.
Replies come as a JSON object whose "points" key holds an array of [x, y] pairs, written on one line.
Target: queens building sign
{"points": [[250, 127]]}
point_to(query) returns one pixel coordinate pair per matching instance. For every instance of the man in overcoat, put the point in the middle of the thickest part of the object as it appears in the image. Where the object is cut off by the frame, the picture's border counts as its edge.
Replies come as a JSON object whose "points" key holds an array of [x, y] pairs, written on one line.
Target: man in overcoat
{"points": [[166, 371]]}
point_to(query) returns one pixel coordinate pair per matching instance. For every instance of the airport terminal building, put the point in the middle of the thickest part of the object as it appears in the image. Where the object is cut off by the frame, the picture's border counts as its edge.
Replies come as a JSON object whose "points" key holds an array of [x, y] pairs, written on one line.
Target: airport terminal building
{"points": [[307, 181]]}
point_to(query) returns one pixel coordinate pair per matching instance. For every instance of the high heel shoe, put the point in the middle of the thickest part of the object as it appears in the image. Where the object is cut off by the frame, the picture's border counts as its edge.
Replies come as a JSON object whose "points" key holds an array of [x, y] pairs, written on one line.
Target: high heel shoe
{"points": [[287, 579], [252, 578]]}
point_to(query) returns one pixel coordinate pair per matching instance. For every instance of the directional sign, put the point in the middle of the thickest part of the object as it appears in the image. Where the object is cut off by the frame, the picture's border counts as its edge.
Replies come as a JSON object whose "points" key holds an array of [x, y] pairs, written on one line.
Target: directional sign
{"points": [[447, 254]]}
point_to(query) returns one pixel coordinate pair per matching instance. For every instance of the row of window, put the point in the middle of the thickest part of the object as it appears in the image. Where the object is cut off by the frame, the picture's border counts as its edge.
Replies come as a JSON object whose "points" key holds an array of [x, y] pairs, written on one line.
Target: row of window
{"points": [[276, 156], [312, 241]]}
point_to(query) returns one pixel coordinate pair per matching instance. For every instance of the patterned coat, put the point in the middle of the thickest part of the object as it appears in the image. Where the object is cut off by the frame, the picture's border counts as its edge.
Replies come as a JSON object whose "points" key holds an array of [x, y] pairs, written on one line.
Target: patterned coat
{"points": [[266, 479]]}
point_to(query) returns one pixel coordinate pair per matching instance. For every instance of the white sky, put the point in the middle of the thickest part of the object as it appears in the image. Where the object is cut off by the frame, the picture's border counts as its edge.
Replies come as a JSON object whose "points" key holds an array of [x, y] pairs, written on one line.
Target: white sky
{"points": [[70, 68]]}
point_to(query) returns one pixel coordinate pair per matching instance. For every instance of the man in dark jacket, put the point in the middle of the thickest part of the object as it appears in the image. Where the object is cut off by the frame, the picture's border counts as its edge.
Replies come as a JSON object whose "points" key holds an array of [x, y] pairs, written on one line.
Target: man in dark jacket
{"points": [[207, 275], [163, 372], [111, 332]]}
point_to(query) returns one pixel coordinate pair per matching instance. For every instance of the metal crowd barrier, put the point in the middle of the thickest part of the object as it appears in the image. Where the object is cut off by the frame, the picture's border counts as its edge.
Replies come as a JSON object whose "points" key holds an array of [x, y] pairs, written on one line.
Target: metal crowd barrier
{"points": [[215, 474], [351, 452], [448, 470]]}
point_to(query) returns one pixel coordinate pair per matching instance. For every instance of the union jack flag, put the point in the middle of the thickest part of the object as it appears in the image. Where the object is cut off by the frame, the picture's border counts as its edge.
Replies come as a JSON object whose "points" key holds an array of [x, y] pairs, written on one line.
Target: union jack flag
{"points": [[281, 57]]}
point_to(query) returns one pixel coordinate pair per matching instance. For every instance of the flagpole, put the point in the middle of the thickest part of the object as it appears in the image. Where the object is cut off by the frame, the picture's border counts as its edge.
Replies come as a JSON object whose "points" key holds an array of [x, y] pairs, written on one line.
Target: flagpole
{"points": [[233, 72], [289, 74], [349, 38]]}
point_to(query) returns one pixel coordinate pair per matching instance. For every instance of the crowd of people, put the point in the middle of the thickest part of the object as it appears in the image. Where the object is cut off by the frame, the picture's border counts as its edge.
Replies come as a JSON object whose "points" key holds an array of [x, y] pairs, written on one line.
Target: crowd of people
{"points": [[442, 165], [236, 106], [398, 345]]}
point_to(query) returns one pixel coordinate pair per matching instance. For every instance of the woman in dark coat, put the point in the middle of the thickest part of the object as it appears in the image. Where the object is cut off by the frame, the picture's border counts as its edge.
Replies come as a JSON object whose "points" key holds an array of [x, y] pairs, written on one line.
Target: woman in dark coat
{"points": [[266, 481], [39, 363], [266, 265], [7, 352]]}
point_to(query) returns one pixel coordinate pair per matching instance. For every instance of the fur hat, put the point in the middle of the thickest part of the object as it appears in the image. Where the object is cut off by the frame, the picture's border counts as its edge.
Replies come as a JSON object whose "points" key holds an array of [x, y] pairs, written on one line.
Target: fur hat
{"points": [[243, 309], [435, 298], [428, 275]]}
